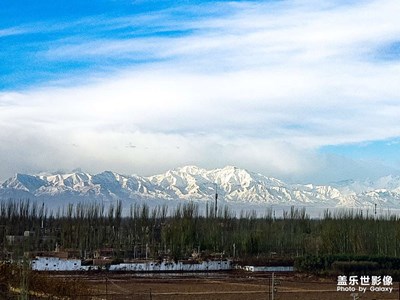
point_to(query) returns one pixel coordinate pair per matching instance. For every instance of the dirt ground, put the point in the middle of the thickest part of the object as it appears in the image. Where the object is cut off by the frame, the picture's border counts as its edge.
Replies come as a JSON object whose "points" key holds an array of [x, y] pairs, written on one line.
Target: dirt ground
{"points": [[240, 286]]}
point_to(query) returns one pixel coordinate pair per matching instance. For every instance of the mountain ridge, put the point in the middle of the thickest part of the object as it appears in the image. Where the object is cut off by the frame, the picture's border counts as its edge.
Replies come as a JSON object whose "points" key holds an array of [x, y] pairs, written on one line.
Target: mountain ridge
{"points": [[233, 184]]}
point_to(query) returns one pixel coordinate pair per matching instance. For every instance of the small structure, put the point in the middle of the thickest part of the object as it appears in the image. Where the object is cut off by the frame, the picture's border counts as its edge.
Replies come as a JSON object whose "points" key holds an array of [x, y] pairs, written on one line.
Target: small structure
{"points": [[28, 233], [104, 253]]}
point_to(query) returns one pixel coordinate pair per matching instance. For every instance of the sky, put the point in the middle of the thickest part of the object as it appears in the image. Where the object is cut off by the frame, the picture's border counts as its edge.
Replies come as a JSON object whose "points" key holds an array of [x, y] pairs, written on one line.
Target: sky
{"points": [[305, 91]]}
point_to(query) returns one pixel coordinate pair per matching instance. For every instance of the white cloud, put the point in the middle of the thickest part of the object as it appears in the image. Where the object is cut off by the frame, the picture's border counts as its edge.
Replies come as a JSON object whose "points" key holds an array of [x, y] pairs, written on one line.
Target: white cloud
{"points": [[262, 87]]}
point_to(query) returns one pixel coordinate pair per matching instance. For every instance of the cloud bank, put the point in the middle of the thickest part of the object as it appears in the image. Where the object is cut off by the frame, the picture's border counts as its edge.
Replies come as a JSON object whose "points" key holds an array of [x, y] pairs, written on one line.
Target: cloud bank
{"points": [[259, 85]]}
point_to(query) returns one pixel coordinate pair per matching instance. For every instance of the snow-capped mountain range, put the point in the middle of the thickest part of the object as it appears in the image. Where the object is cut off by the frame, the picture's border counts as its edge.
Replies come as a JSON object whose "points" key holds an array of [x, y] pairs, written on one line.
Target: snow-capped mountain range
{"points": [[234, 185]]}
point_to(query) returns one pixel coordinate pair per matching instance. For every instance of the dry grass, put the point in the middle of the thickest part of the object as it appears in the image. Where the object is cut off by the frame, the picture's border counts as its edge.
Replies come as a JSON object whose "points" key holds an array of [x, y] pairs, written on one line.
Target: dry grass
{"points": [[215, 286], [222, 286]]}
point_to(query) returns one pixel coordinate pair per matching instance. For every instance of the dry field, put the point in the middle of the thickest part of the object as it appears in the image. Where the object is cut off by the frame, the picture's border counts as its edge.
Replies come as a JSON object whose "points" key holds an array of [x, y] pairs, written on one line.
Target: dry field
{"points": [[219, 286]]}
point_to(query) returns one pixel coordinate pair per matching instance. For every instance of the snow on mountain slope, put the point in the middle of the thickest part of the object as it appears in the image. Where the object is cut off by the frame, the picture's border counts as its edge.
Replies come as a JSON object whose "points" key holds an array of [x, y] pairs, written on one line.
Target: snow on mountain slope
{"points": [[234, 185], [189, 182], [106, 185], [239, 185], [24, 182]]}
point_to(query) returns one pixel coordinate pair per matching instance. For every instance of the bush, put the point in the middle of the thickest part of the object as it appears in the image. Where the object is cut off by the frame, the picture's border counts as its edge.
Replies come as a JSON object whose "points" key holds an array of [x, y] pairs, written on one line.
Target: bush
{"points": [[346, 267], [346, 264]]}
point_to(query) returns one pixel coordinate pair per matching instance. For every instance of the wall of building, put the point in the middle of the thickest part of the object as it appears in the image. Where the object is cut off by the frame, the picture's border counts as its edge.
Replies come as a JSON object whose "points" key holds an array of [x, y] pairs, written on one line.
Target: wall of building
{"points": [[58, 264], [167, 266], [55, 264]]}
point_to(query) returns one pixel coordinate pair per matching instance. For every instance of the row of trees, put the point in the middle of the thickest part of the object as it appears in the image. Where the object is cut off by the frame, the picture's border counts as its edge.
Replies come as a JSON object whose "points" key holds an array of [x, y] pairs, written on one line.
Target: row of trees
{"points": [[159, 231]]}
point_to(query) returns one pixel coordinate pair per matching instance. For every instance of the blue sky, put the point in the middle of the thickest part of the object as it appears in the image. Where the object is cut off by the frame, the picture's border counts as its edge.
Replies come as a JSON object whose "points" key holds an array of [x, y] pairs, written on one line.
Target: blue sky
{"points": [[300, 90]]}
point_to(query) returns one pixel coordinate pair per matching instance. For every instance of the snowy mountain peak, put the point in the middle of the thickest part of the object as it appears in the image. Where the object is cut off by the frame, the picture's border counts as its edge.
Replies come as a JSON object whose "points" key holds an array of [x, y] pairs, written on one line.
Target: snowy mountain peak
{"points": [[233, 184], [69, 180], [193, 170]]}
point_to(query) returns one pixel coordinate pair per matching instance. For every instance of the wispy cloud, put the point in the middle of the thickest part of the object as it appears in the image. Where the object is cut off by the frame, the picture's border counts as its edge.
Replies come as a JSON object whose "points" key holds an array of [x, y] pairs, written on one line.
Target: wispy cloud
{"points": [[4, 32], [291, 33]]}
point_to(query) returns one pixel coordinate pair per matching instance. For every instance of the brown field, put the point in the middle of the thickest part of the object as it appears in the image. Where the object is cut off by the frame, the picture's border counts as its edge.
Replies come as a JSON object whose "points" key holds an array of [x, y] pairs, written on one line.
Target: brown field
{"points": [[240, 286]]}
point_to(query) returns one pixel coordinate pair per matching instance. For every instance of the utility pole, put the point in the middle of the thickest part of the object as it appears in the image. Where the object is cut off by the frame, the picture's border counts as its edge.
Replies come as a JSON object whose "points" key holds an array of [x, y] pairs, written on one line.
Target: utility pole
{"points": [[24, 294], [273, 286], [24, 280], [106, 288]]}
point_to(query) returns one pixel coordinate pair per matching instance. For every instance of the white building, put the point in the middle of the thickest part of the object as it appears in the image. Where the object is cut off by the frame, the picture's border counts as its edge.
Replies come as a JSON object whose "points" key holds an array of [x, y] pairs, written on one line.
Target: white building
{"points": [[58, 264], [168, 266], [55, 264]]}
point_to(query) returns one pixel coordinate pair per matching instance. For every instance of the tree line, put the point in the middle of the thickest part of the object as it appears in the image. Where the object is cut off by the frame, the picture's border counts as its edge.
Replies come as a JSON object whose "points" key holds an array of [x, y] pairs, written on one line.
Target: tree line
{"points": [[179, 232]]}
